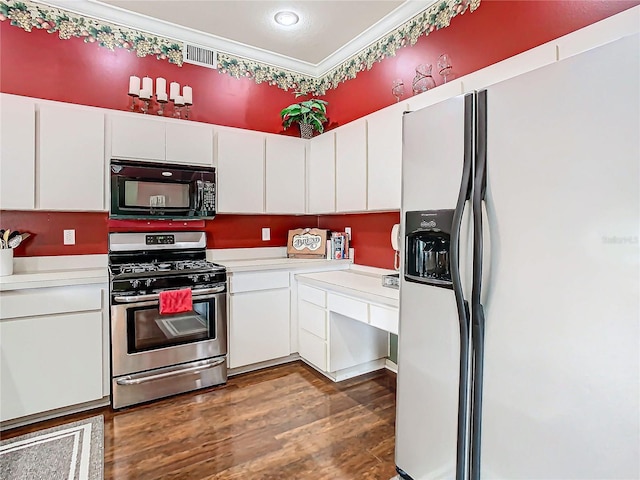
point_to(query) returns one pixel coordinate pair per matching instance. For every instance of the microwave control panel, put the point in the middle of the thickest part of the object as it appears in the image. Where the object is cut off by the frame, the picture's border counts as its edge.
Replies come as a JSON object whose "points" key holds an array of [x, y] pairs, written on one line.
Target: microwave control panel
{"points": [[209, 197]]}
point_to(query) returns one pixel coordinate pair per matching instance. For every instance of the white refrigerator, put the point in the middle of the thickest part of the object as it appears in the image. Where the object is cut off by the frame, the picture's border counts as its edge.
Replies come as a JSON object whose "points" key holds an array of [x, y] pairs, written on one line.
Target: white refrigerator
{"points": [[519, 334]]}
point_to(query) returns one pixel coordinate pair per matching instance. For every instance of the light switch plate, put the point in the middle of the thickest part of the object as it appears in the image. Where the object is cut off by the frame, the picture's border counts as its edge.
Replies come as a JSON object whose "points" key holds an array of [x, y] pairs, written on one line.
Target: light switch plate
{"points": [[266, 234], [69, 237]]}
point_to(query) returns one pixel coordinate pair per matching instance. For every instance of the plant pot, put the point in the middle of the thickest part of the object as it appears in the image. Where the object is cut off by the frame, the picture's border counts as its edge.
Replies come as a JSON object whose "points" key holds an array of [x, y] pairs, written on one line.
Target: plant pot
{"points": [[306, 130]]}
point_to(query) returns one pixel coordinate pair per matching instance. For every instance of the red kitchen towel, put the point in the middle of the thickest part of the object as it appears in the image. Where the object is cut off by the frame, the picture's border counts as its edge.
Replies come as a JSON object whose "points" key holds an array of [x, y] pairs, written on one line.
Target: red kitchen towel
{"points": [[175, 301]]}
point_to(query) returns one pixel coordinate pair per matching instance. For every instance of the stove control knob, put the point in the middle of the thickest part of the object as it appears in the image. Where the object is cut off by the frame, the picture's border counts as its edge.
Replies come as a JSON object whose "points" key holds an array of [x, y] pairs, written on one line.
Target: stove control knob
{"points": [[135, 283], [206, 277], [193, 278], [149, 281]]}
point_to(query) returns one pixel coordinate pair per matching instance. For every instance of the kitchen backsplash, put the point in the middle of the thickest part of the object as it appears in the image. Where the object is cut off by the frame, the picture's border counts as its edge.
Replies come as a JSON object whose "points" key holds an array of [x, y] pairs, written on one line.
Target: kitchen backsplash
{"points": [[370, 232]]}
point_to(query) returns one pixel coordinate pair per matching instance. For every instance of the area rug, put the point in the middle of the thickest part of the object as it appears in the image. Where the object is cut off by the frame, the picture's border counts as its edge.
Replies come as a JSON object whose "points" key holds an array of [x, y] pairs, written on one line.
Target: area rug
{"points": [[73, 451]]}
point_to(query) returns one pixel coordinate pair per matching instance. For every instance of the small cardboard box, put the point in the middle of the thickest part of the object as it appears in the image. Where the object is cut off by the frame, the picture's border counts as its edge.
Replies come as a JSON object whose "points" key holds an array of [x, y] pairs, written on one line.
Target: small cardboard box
{"points": [[307, 243]]}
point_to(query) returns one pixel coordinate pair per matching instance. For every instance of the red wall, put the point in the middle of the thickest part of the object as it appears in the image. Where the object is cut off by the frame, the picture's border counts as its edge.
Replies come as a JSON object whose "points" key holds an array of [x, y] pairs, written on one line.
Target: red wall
{"points": [[40, 65], [497, 30]]}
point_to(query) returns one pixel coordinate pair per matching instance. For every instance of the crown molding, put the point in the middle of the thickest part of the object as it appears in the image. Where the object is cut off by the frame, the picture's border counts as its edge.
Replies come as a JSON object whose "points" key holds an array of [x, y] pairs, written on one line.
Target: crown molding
{"points": [[119, 16]]}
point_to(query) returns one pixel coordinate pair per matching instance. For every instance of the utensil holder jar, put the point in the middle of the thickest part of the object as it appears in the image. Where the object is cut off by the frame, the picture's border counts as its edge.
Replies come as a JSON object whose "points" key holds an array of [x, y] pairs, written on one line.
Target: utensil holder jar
{"points": [[6, 261]]}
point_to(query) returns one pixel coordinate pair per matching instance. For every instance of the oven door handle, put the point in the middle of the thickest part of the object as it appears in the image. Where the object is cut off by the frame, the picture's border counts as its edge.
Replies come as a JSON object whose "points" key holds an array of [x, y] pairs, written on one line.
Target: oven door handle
{"points": [[156, 296], [134, 380]]}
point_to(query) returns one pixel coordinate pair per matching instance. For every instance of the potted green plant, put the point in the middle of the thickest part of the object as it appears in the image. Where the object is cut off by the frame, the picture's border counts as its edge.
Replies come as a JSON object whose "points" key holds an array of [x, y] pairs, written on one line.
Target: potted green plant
{"points": [[310, 116]]}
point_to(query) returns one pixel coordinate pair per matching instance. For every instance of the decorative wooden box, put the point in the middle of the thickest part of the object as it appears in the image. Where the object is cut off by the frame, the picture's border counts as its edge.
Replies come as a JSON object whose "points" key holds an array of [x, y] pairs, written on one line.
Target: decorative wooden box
{"points": [[307, 243]]}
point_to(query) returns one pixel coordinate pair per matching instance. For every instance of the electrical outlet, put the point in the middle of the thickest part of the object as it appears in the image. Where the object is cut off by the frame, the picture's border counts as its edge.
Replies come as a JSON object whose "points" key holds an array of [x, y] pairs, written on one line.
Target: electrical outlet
{"points": [[347, 230], [266, 234], [69, 237]]}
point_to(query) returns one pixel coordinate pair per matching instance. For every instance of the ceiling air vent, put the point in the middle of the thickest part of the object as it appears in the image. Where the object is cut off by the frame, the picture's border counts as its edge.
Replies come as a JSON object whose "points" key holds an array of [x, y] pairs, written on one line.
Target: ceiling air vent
{"points": [[200, 56]]}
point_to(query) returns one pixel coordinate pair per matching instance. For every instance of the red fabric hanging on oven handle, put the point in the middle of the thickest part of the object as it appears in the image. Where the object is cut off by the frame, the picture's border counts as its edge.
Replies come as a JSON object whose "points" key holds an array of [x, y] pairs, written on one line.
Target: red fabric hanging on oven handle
{"points": [[176, 301]]}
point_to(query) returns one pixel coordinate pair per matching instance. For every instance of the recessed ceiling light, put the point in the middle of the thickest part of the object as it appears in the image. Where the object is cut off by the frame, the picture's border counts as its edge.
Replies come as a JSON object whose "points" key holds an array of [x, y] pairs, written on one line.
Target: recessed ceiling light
{"points": [[286, 18]]}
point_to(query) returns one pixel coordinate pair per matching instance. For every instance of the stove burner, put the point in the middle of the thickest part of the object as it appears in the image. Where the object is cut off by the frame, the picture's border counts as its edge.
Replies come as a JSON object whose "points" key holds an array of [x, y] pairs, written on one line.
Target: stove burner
{"points": [[183, 266]]}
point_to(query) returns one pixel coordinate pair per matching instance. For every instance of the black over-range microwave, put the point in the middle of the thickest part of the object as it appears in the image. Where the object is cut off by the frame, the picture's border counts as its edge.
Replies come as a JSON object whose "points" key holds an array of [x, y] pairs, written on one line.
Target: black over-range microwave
{"points": [[141, 190]]}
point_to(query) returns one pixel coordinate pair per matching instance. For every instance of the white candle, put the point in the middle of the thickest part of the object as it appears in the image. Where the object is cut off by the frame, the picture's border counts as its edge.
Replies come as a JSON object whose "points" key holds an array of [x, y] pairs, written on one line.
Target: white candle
{"points": [[174, 90], [145, 94], [179, 100], [161, 86], [134, 85], [162, 96], [187, 93], [147, 84]]}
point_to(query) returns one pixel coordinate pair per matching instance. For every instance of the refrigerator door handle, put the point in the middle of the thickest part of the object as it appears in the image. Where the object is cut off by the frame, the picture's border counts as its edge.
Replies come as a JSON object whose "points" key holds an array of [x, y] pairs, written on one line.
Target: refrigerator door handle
{"points": [[477, 309], [462, 456]]}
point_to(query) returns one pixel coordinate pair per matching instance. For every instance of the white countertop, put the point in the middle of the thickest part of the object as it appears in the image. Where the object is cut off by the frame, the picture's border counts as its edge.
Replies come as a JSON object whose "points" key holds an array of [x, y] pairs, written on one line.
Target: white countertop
{"points": [[53, 278], [356, 282], [258, 264]]}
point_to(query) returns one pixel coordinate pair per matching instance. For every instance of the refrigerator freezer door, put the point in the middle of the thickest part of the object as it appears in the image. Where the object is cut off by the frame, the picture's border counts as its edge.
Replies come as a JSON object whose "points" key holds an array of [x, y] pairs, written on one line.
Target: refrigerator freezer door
{"points": [[561, 370], [430, 338]]}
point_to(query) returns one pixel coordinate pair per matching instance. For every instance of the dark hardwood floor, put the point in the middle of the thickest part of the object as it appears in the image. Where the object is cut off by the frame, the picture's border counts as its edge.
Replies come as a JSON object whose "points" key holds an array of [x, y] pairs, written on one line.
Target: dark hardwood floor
{"points": [[285, 422]]}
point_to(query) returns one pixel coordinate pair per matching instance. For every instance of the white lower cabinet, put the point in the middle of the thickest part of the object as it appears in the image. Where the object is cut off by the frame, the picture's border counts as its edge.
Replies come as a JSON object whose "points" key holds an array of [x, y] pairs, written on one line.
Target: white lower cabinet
{"points": [[52, 354], [259, 317]]}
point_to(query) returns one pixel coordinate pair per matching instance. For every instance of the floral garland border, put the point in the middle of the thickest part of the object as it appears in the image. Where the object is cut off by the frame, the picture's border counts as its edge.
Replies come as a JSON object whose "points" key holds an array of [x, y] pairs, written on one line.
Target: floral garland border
{"points": [[28, 15]]}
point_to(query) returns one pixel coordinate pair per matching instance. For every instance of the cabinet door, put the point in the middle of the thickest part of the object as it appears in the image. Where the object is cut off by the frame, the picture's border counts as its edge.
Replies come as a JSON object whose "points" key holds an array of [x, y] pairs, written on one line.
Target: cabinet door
{"points": [[384, 134], [17, 153], [71, 167], [351, 167], [240, 171], [284, 174], [189, 143], [38, 374], [138, 138], [321, 174], [258, 326]]}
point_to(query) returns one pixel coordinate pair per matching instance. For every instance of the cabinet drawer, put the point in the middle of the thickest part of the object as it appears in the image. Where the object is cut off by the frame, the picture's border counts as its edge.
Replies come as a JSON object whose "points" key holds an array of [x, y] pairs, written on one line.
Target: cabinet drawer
{"points": [[247, 282], [313, 350], [313, 319], [384, 318], [348, 307], [312, 295], [48, 301]]}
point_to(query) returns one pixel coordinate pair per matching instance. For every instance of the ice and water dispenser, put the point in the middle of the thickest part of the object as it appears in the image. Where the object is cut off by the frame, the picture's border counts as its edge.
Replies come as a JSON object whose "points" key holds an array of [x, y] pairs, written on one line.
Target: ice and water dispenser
{"points": [[428, 241]]}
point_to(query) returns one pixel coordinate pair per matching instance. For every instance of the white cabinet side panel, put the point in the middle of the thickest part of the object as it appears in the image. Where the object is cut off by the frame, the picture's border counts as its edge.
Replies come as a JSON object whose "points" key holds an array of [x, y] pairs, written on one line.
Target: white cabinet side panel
{"points": [[17, 153], [71, 159], [562, 359]]}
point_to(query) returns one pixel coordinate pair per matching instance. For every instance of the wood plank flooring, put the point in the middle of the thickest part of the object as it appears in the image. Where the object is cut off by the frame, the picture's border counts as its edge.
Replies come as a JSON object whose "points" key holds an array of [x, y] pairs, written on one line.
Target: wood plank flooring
{"points": [[285, 422]]}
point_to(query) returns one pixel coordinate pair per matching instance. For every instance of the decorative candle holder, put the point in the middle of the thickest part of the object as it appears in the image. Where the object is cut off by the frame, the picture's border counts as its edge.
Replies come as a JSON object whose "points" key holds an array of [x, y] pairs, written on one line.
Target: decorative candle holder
{"points": [[187, 113], [161, 104], [133, 101], [145, 105]]}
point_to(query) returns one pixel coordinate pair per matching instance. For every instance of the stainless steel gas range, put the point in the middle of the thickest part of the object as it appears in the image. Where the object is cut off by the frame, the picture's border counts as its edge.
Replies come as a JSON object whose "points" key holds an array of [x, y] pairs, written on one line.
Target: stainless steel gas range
{"points": [[153, 354]]}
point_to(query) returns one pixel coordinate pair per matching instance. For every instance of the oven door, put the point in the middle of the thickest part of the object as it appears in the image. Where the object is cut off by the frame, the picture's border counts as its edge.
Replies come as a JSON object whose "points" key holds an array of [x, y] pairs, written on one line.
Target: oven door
{"points": [[143, 339]]}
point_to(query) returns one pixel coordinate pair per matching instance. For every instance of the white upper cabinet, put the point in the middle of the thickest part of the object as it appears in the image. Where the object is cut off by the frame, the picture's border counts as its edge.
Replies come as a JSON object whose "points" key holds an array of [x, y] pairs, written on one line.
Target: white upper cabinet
{"points": [[17, 153], [384, 133], [139, 138], [71, 158], [284, 174], [321, 174], [351, 167], [189, 143], [240, 163]]}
